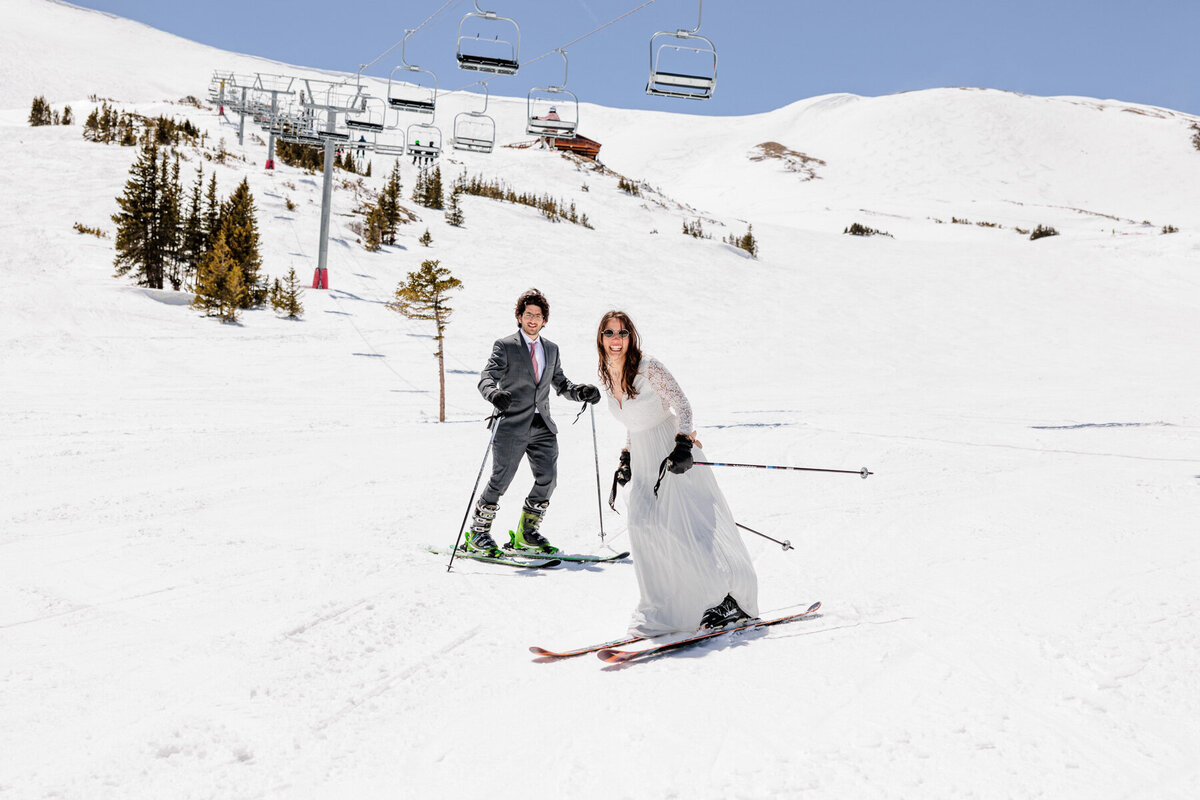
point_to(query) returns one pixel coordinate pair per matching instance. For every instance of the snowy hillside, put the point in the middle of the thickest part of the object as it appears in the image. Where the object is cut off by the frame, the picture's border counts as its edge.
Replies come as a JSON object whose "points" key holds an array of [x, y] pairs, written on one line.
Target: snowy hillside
{"points": [[212, 575]]}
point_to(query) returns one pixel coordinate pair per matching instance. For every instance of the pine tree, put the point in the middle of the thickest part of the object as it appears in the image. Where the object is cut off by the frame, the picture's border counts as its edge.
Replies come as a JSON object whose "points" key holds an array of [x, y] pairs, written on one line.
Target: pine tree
{"points": [[143, 240], [285, 295], [433, 191], [169, 215], [423, 297], [240, 229], [212, 213], [455, 215], [91, 127], [220, 286], [68, 116], [193, 238], [375, 229], [40, 113], [426, 239], [389, 205]]}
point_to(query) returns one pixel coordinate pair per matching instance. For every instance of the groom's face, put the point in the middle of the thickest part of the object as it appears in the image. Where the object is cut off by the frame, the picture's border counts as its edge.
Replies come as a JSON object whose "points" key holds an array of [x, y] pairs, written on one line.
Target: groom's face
{"points": [[531, 320]]}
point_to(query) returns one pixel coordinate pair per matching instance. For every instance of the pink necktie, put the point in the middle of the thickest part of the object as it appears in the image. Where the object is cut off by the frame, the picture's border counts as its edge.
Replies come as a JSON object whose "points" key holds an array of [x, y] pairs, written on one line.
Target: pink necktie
{"points": [[537, 376]]}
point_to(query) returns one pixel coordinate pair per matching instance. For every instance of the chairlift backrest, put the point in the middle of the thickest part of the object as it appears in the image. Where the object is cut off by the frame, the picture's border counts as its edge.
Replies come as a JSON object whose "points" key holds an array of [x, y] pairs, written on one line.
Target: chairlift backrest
{"points": [[693, 77], [497, 55], [414, 97]]}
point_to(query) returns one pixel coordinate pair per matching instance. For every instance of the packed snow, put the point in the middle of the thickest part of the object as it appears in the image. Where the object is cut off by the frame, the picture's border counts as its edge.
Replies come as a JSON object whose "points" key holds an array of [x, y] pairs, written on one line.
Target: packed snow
{"points": [[213, 581]]}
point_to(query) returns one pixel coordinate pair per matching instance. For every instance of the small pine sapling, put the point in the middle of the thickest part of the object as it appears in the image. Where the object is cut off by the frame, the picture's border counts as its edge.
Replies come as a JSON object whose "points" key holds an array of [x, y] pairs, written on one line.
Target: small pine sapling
{"points": [[423, 296]]}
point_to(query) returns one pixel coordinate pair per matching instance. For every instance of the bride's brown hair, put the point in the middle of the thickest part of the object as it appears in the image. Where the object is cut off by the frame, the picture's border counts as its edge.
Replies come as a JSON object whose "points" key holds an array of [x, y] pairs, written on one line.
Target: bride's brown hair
{"points": [[633, 354]]}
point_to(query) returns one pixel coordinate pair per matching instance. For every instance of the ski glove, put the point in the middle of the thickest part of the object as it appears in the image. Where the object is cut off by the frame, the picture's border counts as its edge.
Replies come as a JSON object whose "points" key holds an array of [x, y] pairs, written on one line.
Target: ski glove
{"points": [[589, 394], [624, 470], [679, 461], [621, 477], [501, 400]]}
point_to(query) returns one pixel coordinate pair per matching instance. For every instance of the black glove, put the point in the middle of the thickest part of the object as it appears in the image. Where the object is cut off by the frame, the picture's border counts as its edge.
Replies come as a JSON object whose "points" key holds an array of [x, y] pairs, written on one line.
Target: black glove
{"points": [[624, 472], [502, 400], [680, 459], [621, 477], [589, 394]]}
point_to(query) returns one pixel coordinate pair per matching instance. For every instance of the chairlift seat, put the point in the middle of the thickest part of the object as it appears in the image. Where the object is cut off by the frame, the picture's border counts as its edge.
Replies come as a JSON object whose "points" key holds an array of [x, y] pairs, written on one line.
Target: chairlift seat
{"points": [[364, 125], [560, 128], [418, 106], [341, 136], [674, 84], [424, 149], [480, 63], [473, 144]]}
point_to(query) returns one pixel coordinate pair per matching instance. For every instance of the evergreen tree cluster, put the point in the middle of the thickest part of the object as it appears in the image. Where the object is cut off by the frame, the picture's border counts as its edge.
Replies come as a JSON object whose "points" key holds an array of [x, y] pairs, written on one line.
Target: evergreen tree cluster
{"points": [[553, 210], [856, 229], [385, 216], [285, 295], [1170, 229], [629, 187], [90, 231], [300, 156], [107, 126], [191, 241], [695, 230], [1196, 137], [40, 113], [746, 242], [428, 189], [1041, 232], [312, 158]]}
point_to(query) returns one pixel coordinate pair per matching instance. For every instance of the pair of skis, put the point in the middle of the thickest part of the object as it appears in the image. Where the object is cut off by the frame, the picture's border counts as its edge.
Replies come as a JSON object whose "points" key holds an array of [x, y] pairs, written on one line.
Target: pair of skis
{"points": [[529, 559], [609, 652]]}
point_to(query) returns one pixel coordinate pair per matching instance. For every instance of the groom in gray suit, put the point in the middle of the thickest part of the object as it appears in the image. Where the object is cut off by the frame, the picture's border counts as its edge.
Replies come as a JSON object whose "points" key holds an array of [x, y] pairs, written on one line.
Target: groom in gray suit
{"points": [[517, 381]]}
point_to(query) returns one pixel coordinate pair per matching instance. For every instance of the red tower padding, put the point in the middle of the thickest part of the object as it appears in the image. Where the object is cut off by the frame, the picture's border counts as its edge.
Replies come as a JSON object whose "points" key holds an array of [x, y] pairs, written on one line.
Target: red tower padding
{"points": [[321, 279]]}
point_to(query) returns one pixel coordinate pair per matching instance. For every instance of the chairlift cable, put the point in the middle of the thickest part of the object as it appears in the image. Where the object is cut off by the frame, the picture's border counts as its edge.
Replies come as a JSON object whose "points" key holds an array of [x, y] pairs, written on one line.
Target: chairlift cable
{"points": [[428, 20], [608, 24]]}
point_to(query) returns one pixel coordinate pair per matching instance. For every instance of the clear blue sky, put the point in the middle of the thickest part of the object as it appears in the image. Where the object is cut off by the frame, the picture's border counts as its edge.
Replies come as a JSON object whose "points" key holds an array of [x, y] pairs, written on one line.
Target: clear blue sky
{"points": [[771, 52]]}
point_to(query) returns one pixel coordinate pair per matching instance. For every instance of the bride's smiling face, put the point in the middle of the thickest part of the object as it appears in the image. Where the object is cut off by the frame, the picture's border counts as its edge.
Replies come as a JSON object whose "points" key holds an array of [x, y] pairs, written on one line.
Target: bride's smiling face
{"points": [[615, 343]]}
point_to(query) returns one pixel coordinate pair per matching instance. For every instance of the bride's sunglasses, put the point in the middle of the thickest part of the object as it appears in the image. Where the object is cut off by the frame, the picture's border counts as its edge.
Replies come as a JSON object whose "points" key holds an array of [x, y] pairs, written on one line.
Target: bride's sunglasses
{"points": [[624, 334]]}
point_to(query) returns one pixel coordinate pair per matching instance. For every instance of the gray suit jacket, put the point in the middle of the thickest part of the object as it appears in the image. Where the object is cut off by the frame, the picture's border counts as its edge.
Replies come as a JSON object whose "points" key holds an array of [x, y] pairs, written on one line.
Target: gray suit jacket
{"points": [[511, 369]]}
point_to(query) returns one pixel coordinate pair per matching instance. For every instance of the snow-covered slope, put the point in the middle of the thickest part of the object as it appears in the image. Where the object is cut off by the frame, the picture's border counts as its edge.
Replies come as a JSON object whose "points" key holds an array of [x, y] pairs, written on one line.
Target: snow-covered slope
{"points": [[212, 582]]}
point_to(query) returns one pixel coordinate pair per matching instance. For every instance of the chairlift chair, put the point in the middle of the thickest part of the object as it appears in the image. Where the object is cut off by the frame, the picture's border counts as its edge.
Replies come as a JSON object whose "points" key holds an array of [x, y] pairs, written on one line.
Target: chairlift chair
{"points": [[424, 141], [689, 70], [368, 117], [546, 104], [497, 55], [416, 97], [559, 109], [475, 131]]}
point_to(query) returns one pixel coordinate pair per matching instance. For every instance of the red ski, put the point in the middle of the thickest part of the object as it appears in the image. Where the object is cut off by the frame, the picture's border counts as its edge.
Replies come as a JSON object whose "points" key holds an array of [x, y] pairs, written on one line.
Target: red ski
{"points": [[621, 656], [550, 654]]}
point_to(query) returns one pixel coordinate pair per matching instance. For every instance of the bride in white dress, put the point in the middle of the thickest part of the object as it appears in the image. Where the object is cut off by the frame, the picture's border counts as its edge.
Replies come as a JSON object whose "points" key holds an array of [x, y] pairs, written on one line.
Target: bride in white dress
{"points": [[690, 560]]}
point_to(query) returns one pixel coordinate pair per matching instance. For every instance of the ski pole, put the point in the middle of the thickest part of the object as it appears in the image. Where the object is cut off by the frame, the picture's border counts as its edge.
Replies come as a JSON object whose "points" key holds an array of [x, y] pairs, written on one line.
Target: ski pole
{"points": [[493, 423], [864, 472], [596, 452], [787, 545]]}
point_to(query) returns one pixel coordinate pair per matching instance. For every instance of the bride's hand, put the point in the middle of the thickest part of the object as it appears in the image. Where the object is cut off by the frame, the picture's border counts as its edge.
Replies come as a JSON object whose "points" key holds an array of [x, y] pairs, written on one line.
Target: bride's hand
{"points": [[695, 441]]}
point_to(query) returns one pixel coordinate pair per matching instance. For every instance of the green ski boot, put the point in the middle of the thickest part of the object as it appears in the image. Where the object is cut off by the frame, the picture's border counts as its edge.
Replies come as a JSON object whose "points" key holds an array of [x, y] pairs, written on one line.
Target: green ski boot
{"points": [[526, 536], [478, 537]]}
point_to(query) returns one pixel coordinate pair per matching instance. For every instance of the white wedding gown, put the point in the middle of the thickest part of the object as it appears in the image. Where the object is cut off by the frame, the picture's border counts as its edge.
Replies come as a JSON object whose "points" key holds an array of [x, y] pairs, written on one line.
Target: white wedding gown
{"points": [[687, 551]]}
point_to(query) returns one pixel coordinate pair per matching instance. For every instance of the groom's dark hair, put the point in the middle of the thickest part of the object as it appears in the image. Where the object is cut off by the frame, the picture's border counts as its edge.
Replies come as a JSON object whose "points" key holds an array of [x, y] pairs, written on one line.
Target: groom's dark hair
{"points": [[533, 297]]}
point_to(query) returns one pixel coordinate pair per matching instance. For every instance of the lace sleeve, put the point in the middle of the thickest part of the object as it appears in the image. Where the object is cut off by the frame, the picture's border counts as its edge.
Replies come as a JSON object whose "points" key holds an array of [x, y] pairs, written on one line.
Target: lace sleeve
{"points": [[665, 385]]}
